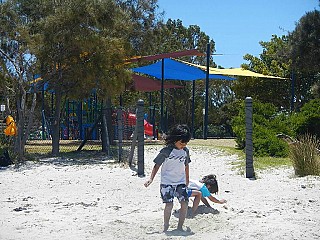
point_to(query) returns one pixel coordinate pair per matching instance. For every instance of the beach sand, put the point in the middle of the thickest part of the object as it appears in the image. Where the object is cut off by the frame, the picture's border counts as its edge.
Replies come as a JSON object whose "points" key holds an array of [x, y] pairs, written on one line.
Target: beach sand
{"points": [[101, 199]]}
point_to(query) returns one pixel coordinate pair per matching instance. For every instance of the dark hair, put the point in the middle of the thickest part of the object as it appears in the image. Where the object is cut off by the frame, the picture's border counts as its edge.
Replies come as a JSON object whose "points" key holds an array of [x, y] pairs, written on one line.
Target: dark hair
{"points": [[177, 133], [211, 183]]}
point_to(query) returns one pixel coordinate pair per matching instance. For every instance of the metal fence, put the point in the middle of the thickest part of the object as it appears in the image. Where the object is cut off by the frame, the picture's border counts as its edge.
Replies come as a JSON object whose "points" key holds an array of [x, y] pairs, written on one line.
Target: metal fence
{"points": [[126, 140]]}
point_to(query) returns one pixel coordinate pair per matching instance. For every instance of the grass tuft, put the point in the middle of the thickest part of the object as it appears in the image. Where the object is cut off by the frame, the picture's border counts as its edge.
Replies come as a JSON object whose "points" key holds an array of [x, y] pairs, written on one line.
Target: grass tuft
{"points": [[305, 155]]}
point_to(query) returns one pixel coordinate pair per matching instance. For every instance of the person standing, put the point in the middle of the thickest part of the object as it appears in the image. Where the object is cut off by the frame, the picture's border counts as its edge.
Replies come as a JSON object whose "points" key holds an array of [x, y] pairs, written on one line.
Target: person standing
{"points": [[174, 161]]}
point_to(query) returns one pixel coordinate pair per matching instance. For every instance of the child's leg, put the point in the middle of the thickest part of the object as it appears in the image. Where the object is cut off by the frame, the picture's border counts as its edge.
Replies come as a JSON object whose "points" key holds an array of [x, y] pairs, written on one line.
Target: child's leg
{"points": [[182, 214], [197, 197], [166, 215], [167, 195], [182, 195]]}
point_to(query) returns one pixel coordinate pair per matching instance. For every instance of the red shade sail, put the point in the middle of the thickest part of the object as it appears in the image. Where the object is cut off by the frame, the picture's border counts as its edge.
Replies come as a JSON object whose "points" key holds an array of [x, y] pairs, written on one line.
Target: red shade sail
{"points": [[145, 84], [191, 52]]}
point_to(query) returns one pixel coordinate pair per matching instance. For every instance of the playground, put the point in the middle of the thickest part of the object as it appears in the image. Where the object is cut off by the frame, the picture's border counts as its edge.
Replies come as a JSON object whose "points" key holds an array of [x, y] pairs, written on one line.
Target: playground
{"points": [[99, 198]]}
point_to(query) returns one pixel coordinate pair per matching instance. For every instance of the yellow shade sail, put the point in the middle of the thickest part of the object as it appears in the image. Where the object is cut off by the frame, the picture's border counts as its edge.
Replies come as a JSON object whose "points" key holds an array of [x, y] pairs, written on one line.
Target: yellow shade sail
{"points": [[233, 71]]}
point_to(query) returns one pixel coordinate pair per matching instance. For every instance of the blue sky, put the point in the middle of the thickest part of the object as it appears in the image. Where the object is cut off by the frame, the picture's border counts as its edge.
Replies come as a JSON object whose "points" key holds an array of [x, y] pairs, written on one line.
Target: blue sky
{"points": [[237, 26]]}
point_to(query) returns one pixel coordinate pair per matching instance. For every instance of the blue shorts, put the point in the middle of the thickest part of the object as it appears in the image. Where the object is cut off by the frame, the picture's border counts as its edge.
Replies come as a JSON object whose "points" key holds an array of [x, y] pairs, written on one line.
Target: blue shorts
{"points": [[189, 191], [168, 192], [204, 191]]}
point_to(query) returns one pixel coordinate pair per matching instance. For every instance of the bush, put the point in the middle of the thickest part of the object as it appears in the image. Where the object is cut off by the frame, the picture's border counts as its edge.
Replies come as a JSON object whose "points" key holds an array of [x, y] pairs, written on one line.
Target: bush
{"points": [[305, 155], [307, 121], [266, 143], [267, 123]]}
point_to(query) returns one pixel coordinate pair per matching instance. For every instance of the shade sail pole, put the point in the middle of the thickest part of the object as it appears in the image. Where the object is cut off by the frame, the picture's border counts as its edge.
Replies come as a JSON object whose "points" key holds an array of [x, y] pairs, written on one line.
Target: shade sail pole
{"points": [[205, 136], [292, 91], [193, 94], [162, 94], [150, 106]]}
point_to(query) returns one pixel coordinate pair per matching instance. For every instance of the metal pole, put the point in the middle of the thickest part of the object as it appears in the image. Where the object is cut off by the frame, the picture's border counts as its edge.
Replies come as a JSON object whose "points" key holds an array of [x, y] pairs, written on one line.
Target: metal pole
{"points": [[193, 94], [162, 95], [150, 106], [292, 90], [42, 115], [249, 143], [207, 95]]}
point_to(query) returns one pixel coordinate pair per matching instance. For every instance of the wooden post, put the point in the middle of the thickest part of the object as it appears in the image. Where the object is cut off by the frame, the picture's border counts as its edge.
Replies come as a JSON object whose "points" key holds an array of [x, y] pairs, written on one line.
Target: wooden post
{"points": [[120, 133], [249, 142], [140, 136]]}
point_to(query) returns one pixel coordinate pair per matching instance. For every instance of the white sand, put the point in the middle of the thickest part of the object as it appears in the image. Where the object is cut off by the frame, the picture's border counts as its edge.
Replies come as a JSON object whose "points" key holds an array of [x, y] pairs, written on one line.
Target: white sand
{"points": [[101, 200]]}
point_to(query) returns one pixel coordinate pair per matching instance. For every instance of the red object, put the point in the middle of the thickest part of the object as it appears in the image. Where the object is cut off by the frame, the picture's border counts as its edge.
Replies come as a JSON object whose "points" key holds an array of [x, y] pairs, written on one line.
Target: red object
{"points": [[145, 84], [132, 119], [191, 52], [148, 128]]}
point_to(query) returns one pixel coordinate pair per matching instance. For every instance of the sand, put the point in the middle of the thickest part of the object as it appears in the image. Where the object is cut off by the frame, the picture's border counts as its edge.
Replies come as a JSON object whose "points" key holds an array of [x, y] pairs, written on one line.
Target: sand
{"points": [[100, 199]]}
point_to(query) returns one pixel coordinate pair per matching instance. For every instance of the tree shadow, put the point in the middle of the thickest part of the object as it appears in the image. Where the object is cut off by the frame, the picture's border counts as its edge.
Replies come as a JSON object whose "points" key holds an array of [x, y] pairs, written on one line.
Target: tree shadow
{"points": [[67, 159]]}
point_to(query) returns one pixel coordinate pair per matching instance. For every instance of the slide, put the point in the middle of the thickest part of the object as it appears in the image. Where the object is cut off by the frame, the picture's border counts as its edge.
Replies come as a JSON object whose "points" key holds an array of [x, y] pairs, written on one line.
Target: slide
{"points": [[148, 128]]}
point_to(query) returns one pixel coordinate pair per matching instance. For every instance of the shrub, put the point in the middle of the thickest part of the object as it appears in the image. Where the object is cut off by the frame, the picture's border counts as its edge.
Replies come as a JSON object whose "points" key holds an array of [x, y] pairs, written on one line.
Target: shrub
{"points": [[305, 156], [267, 123], [307, 120]]}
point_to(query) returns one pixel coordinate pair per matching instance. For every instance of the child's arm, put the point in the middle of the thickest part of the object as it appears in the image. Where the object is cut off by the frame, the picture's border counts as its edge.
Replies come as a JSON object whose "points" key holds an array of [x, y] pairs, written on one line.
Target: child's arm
{"points": [[205, 201], [187, 174], [153, 174], [213, 199]]}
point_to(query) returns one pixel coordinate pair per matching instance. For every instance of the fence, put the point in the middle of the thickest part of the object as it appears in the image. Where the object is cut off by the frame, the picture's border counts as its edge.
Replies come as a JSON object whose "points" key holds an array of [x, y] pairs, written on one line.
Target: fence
{"points": [[126, 134]]}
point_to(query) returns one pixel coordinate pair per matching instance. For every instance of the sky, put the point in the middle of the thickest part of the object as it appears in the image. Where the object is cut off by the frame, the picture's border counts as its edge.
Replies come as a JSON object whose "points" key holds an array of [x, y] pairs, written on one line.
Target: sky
{"points": [[237, 26]]}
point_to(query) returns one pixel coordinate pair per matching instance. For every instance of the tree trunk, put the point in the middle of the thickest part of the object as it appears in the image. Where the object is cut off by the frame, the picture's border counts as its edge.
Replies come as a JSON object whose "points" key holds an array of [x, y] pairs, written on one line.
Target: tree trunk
{"points": [[109, 120], [20, 120], [105, 134], [30, 120], [23, 133]]}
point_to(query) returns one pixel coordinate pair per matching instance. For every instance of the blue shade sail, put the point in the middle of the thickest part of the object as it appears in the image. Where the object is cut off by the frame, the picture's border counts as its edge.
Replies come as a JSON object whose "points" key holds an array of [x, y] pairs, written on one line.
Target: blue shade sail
{"points": [[175, 70]]}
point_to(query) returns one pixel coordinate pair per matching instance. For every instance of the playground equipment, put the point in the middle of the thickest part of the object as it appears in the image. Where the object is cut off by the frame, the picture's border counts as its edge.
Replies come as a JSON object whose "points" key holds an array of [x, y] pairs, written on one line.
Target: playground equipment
{"points": [[148, 128]]}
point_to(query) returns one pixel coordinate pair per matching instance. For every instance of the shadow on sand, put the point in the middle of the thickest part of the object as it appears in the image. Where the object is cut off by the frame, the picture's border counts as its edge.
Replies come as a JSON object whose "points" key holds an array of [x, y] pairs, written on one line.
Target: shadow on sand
{"points": [[202, 209]]}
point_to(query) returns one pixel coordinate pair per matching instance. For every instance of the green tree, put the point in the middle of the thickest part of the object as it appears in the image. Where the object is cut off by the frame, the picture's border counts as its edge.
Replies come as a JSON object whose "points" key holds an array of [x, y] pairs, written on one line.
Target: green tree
{"points": [[304, 51], [144, 18], [272, 61], [81, 46], [17, 66], [266, 125]]}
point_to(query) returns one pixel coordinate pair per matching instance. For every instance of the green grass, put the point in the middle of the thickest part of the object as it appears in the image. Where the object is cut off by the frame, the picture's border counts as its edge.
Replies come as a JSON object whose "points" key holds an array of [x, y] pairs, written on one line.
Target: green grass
{"points": [[259, 163]]}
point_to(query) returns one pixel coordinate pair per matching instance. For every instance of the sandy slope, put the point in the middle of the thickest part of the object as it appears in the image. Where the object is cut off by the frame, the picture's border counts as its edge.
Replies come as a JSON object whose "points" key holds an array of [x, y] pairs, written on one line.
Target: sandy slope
{"points": [[103, 200]]}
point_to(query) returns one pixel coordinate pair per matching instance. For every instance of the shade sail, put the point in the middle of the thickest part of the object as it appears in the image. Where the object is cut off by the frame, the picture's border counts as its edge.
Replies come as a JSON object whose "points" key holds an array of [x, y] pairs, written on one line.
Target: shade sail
{"points": [[232, 71], [145, 84], [191, 52], [240, 72], [176, 70]]}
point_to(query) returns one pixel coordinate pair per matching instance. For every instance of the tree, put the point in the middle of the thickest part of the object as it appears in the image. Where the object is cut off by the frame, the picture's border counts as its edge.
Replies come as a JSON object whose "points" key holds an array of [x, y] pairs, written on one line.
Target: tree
{"points": [[143, 16], [272, 61], [81, 46], [17, 63], [304, 43], [304, 51]]}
